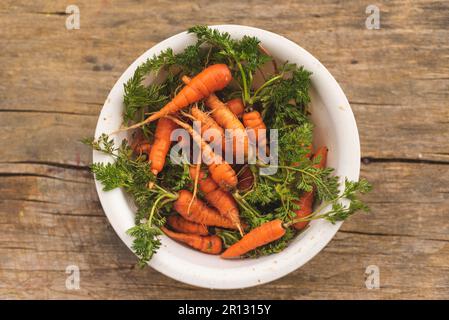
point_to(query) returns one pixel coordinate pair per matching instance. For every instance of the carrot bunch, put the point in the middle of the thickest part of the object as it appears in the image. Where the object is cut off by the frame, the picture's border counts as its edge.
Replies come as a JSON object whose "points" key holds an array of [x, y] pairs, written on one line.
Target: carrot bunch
{"points": [[217, 197], [226, 196], [195, 216], [192, 223], [275, 229]]}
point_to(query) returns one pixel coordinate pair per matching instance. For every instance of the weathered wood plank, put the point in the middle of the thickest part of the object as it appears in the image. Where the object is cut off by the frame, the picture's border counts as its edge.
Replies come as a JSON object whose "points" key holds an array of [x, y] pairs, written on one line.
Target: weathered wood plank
{"points": [[362, 60], [53, 231], [427, 279], [46, 137]]}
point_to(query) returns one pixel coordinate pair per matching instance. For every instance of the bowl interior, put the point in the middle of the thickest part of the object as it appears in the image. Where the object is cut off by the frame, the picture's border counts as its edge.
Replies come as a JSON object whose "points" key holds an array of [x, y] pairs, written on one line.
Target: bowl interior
{"points": [[334, 127]]}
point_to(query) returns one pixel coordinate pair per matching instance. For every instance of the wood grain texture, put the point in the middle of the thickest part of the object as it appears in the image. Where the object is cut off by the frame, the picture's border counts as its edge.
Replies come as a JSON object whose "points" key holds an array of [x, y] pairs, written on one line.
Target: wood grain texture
{"points": [[54, 81]]}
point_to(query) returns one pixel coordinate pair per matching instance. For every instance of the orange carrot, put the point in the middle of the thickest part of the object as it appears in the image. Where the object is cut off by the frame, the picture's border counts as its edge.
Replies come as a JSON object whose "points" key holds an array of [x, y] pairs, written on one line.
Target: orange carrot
{"points": [[228, 120], [236, 106], [253, 120], [322, 153], [305, 202], [224, 175], [266, 233], [161, 144], [211, 79], [139, 144], [207, 184], [180, 224], [225, 118], [221, 172], [199, 212], [207, 123], [143, 148], [222, 200], [309, 154], [207, 244]]}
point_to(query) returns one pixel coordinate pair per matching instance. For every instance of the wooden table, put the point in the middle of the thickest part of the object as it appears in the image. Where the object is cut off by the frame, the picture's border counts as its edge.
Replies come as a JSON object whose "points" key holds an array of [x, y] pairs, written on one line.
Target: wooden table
{"points": [[53, 83]]}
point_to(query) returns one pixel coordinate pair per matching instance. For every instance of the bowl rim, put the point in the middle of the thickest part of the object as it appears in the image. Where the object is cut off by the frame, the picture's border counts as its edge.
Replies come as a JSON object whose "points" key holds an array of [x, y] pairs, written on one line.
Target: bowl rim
{"points": [[114, 201]]}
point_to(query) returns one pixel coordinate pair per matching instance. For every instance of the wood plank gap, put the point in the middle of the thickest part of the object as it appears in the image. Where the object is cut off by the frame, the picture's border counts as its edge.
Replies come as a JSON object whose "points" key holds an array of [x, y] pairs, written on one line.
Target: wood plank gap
{"points": [[51, 164], [49, 111], [10, 174], [368, 160], [379, 234]]}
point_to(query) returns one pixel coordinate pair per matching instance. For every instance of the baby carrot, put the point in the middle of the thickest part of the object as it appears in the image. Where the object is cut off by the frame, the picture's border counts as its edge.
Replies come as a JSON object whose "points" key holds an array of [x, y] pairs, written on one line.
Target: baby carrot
{"points": [[211, 79], [262, 235], [199, 212], [180, 224], [207, 123], [225, 118], [222, 200], [236, 106], [305, 202], [143, 148], [253, 121], [322, 154], [139, 144], [228, 120], [161, 144], [206, 244]]}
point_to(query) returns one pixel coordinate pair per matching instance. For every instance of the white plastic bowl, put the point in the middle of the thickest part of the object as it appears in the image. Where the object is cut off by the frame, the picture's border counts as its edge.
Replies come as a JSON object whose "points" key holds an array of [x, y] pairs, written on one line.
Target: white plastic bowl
{"points": [[335, 127]]}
